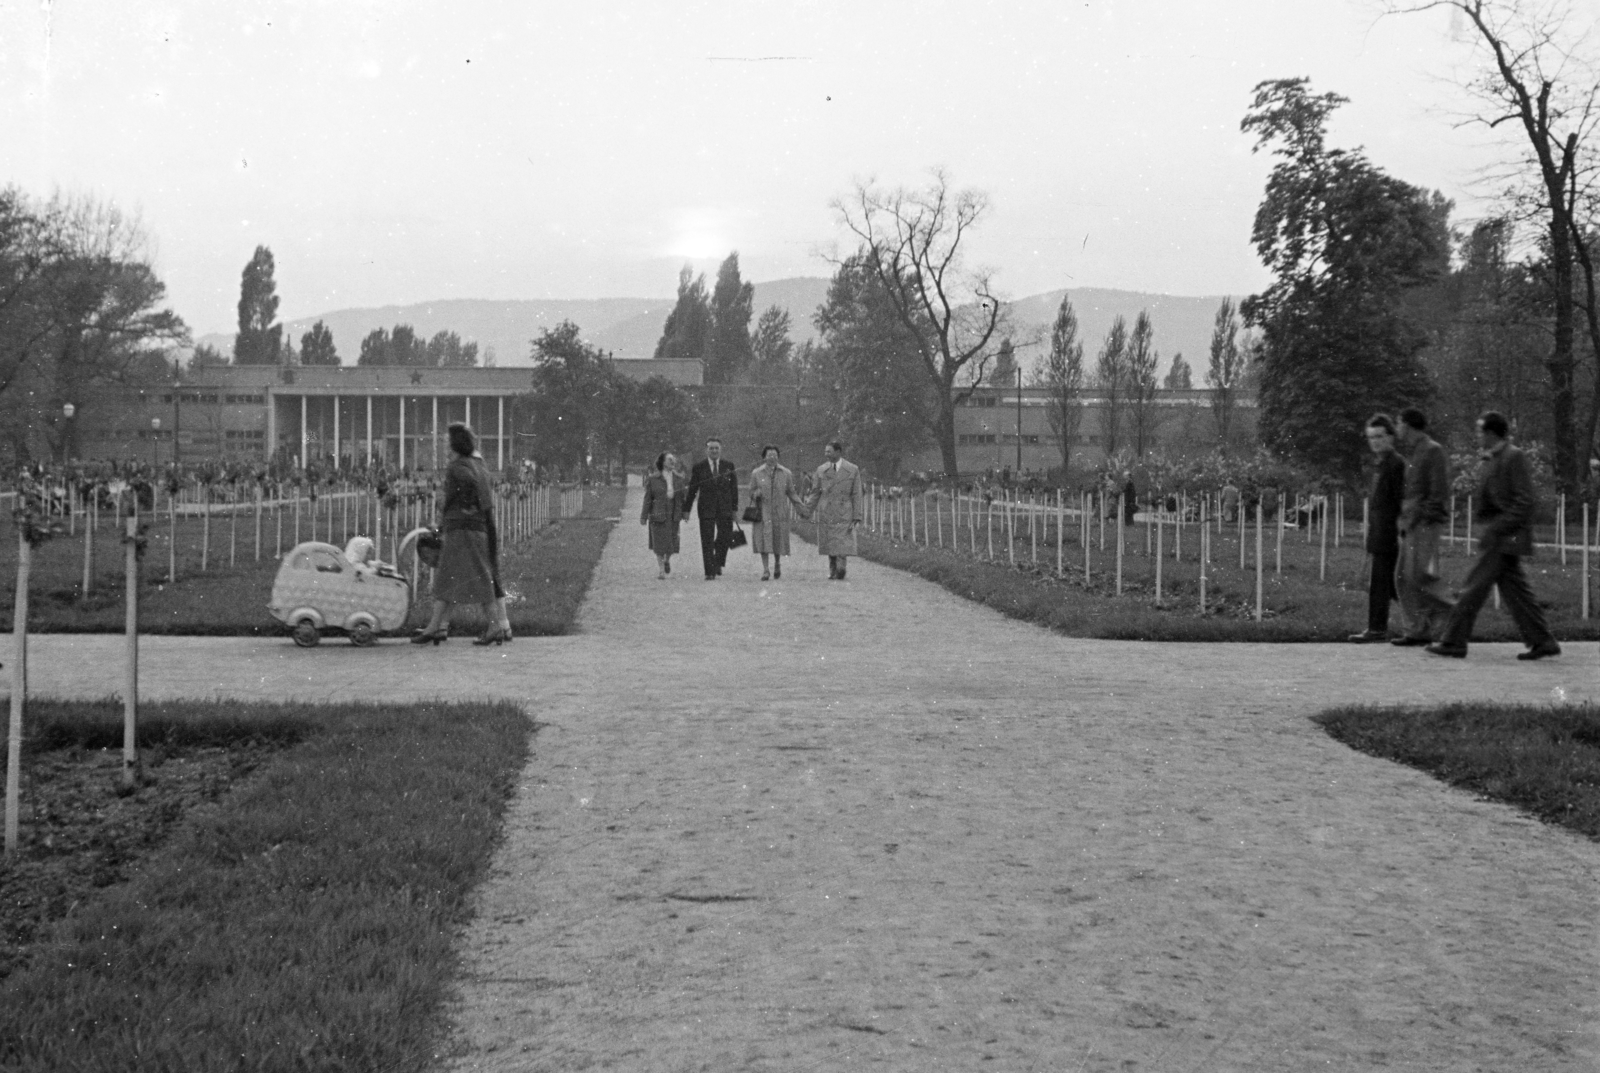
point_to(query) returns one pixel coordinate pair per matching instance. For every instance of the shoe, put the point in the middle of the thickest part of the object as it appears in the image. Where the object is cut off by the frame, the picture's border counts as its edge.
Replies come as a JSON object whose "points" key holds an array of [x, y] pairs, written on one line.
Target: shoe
{"points": [[711, 577], [666, 568], [766, 576], [777, 572], [422, 637], [1541, 651], [1407, 641], [1439, 648], [1367, 637], [661, 575], [496, 636]]}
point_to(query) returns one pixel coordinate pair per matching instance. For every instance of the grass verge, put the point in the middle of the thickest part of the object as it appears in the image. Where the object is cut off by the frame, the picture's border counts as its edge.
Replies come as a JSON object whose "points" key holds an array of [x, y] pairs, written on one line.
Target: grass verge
{"points": [[304, 921], [1298, 605], [1542, 759], [549, 572]]}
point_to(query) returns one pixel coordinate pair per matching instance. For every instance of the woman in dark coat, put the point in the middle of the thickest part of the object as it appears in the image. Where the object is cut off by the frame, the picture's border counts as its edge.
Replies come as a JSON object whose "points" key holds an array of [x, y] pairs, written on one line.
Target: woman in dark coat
{"points": [[663, 510], [467, 570]]}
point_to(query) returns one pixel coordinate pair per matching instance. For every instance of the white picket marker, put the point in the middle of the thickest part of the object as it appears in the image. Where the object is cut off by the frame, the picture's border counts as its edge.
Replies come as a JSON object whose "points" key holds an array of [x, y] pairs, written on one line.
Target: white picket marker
{"points": [[130, 671], [1120, 542], [1205, 541], [19, 689], [1160, 535], [1586, 539], [1259, 579], [1061, 518]]}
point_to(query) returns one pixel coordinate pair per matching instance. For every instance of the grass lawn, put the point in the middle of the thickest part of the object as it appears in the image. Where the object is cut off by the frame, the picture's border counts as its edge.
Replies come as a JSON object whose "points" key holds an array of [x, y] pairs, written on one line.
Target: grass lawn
{"points": [[547, 574], [304, 920], [1543, 759], [1299, 605]]}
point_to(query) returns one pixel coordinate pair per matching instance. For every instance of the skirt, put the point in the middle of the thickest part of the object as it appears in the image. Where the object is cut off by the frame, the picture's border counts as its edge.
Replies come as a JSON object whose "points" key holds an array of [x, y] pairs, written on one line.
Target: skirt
{"points": [[664, 537], [466, 574]]}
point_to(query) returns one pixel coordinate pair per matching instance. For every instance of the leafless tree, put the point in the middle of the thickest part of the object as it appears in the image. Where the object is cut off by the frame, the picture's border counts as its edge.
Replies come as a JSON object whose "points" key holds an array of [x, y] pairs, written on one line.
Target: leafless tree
{"points": [[912, 241], [1536, 71]]}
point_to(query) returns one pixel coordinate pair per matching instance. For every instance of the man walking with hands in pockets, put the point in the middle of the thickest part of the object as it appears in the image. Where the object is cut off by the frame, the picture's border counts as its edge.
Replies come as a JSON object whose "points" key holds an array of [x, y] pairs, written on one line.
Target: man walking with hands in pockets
{"points": [[715, 482], [835, 497]]}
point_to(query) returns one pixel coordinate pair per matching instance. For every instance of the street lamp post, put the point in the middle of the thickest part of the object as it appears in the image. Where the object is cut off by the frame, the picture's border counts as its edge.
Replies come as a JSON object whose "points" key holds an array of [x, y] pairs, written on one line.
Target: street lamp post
{"points": [[155, 441]]}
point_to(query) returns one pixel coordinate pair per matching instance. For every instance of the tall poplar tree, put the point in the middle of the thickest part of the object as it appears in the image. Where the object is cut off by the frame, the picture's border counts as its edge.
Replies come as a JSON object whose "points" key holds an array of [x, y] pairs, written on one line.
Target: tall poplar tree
{"points": [[1063, 375], [1142, 383], [1111, 378], [258, 341], [732, 305], [687, 333]]}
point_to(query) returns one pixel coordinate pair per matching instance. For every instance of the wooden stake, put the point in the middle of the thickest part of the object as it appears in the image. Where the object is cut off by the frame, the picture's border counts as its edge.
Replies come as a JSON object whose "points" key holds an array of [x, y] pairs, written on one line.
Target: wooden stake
{"points": [[1586, 540], [130, 670], [1161, 531], [1205, 539], [88, 557], [1322, 566], [19, 689], [1121, 540], [1259, 580], [172, 541]]}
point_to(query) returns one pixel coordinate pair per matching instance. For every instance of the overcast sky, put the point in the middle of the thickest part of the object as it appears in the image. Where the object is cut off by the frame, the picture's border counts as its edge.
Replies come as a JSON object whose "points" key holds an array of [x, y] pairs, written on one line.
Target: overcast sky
{"points": [[396, 152]]}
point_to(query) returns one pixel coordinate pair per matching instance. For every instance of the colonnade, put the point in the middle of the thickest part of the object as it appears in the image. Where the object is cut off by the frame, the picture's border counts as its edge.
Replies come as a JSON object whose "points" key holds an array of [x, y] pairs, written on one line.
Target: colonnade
{"points": [[405, 430]]}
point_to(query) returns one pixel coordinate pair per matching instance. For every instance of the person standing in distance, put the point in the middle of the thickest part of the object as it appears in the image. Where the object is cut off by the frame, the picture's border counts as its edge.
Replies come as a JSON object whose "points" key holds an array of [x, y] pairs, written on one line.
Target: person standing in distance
{"points": [[1383, 532], [835, 499], [714, 482], [1424, 600], [1505, 504]]}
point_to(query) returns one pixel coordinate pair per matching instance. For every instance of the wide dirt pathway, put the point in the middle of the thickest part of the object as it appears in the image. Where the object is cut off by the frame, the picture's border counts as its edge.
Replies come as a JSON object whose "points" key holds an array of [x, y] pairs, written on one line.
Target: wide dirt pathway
{"points": [[814, 826]]}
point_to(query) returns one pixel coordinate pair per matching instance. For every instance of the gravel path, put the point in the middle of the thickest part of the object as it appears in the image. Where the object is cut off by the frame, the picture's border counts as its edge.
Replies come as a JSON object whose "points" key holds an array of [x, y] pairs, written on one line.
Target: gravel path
{"points": [[812, 826]]}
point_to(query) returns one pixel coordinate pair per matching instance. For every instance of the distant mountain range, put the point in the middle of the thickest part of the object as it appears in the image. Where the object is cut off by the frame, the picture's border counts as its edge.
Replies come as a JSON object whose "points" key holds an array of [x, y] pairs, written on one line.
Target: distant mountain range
{"points": [[630, 327]]}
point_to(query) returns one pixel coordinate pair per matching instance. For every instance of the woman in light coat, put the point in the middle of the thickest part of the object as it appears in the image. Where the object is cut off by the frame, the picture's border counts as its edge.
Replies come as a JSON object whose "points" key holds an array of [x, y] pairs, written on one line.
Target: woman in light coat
{"points": [[772, 489], [663, 510]]}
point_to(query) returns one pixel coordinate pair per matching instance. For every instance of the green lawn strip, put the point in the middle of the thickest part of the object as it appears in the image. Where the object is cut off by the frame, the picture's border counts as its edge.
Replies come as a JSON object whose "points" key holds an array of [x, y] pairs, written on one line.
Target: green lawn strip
{"points": [[305, 922], [1542, 759], [1299, 607], [550, 570]]}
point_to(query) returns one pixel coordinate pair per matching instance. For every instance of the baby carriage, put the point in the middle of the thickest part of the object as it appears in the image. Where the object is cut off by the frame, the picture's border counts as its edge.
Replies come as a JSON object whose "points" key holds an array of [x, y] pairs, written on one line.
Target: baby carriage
{"points": [[320, 588]]}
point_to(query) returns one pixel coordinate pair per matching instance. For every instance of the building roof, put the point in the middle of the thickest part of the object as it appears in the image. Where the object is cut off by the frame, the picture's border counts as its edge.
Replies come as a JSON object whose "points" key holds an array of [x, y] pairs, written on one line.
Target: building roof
{"points": [[406, 380]]}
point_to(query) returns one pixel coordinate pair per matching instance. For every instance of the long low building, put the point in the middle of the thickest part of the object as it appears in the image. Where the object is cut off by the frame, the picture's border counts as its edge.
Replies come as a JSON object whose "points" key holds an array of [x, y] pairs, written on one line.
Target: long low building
{"points": [[1000, 428], [247, 413]]}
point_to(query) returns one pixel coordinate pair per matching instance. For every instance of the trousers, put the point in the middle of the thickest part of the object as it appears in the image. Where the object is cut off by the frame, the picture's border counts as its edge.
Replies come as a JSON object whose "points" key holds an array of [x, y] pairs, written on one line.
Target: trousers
{"points": [[714, 534], [1424, 600], [1497, 568], [1381, 590]]}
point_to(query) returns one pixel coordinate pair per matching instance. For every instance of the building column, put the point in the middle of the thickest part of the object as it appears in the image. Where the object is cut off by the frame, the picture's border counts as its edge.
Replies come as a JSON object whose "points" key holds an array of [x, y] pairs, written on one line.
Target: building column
{"points": [[402, 461], [500, 435], [369, 430], [468, 418], [435, 431], [337, 461], [272, 423], [303, 399]]}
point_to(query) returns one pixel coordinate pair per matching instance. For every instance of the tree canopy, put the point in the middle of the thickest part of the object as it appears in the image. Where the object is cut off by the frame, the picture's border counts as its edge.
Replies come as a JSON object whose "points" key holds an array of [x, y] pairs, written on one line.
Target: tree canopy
{"points": [[258, 341], [1344, 242]]}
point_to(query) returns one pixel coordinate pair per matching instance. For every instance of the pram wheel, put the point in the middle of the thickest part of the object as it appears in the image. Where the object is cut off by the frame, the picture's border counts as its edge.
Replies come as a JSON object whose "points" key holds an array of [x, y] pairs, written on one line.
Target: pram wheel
{"points": [[361, 635], [306, 634]]}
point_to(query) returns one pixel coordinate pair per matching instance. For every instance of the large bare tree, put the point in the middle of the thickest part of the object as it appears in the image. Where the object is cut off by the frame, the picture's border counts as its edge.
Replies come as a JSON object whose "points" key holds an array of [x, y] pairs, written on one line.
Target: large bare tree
{"points": [[912, 241], [1537, 74]]}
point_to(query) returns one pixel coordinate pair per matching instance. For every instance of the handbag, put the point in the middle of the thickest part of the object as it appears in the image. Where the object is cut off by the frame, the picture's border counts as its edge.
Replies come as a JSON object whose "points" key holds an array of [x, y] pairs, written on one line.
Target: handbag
{"points": [[737, 539], [752, 514]]}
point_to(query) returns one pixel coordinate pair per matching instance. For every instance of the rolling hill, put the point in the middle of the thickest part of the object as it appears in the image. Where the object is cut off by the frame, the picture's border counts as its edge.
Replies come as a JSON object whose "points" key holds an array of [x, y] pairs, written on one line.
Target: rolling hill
{"points": [[630, 327]]}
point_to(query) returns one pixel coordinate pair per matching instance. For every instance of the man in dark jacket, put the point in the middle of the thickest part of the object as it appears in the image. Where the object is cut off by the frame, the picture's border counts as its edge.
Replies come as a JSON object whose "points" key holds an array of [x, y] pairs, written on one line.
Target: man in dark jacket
{"points": [[1423, 514], [715, 483], [1505, 504], [1383, 532]]}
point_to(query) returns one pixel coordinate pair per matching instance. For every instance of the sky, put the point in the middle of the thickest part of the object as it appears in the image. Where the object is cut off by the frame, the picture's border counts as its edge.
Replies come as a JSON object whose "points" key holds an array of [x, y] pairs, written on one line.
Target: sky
{"points": [[399, 152]]}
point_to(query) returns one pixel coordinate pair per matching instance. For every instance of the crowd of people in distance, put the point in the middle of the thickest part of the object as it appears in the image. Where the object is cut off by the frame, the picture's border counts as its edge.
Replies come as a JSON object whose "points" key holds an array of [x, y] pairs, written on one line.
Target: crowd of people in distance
{"points": [[831, 496], [1410, 497]]}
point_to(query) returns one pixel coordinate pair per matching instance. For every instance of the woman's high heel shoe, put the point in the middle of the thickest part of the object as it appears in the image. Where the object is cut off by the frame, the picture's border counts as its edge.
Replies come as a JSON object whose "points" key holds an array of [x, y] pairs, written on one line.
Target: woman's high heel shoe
{"points": [[494, 637], [422, 637]]}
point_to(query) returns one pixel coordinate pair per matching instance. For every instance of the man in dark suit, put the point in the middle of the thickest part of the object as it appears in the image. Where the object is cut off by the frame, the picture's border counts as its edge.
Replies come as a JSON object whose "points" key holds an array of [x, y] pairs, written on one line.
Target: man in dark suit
{"points": [[1505, 504], [715, 483], [1383, 527]]}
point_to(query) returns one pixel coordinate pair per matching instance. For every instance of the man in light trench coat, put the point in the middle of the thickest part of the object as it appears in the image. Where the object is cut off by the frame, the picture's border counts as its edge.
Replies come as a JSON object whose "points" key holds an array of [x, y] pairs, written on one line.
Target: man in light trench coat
{"points": [[835, 497]]}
